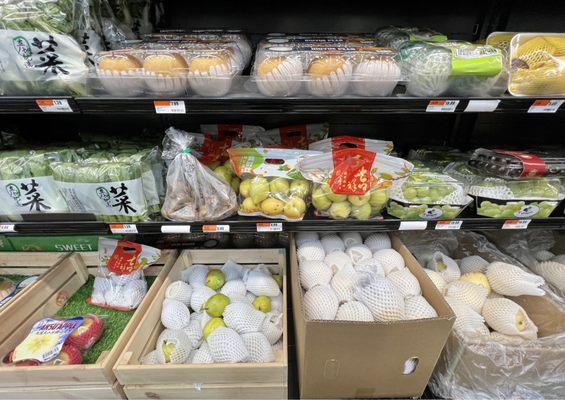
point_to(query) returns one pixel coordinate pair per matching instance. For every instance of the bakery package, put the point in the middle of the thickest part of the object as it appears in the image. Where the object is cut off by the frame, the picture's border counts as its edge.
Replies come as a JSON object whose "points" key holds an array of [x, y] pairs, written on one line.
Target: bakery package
{"points": [[194, 192], [537, 64], [451, 67], [325, 67]]}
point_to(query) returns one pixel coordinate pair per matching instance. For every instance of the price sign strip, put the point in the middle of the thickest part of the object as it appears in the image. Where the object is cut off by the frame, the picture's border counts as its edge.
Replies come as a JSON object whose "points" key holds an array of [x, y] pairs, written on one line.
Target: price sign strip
{"points": [[215, 228], [123, 228], [54, 105], [448, 225], [170, 106], [7, 228], [269, 227], [442, 105], [516, 224]]}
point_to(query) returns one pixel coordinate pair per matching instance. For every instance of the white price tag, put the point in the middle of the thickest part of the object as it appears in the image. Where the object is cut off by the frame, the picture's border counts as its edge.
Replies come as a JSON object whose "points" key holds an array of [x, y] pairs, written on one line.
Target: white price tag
{"points": [[215, 228], [123, 228], [4, 228], [54, 105], [482, 105], [269, 227], [545, 106], [516, 223], [442, 105], [448, 225], [170, 107], [413, 225], [175, 229]]}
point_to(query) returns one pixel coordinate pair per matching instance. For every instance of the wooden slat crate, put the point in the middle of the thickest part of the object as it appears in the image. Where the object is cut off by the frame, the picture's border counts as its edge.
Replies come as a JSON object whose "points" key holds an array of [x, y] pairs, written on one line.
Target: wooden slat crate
{"points": [[67, 381], [203, 381]]}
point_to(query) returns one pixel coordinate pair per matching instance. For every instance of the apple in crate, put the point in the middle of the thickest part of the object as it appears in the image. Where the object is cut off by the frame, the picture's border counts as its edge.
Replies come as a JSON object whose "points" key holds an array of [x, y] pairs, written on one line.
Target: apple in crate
{"points": [[87, 334], [69, 355]]}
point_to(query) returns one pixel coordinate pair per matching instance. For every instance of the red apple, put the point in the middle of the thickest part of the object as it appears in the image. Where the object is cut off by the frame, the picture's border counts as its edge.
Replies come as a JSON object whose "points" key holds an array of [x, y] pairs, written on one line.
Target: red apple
{"points": [[69, 355], [87, 334]]}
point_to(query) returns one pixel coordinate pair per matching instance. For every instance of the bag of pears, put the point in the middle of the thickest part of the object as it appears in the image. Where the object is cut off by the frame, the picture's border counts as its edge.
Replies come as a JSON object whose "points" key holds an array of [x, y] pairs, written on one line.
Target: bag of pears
{"points": [[271, 185], [351, 183]]}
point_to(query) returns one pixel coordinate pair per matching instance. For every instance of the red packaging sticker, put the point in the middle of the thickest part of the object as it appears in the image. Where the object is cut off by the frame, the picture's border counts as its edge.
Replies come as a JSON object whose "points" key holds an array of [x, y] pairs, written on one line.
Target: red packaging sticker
{"points": [[214, 150], [347, 142], [231, 131], [352, 171], [124, 259], [294, 137], [532, 164]]}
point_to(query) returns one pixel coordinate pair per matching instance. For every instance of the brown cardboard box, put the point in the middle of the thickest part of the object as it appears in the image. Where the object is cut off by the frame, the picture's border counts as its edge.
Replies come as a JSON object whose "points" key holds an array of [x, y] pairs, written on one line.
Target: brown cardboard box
{"points": [[471, 368], [338, 359]]}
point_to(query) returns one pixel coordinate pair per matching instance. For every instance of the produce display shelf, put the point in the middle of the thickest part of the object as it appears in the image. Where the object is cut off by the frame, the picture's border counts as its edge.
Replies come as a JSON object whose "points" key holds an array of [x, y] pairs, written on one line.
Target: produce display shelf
{"points": [[249, 104], [252, 225]]}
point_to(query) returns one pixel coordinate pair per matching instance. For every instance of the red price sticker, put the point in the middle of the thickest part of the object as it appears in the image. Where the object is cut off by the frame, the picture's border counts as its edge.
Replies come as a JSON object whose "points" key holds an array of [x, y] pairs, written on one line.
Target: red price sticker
{"points": [[123, 228], [54, 105], [169, 107], [442, 105], [545, 106], [269, 227], [516, 223], [448, 225], [215, 228]]}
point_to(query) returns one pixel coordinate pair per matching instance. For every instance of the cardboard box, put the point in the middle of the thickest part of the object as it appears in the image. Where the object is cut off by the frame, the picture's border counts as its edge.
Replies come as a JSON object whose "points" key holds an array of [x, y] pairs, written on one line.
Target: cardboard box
{"points": [[473, 368], [338, 359]]}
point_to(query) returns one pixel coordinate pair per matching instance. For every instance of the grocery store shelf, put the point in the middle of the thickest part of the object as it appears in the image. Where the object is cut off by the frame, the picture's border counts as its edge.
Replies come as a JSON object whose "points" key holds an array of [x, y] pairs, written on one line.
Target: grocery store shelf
{"points": [[252, 225], [29, 104]]}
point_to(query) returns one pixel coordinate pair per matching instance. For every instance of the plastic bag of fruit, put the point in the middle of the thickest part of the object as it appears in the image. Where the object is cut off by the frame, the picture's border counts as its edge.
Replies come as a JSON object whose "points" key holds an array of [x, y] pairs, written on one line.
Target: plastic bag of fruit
{"points": [[271, 185], [57, 341], [351, 183], [348, 142], [194, 192], [428, 196], [120, 284]]}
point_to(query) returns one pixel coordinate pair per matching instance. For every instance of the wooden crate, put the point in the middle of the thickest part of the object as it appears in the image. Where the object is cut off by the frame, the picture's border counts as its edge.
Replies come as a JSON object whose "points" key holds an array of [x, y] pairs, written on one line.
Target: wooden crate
{"points": [[202, 381], [67, 381]]}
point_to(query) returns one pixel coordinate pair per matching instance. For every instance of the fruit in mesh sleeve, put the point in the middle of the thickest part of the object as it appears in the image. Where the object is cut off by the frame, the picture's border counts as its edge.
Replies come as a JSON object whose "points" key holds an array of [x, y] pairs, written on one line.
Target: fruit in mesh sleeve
{"points": [[277, 303], [232, 271], [445, 266], [559, 259], [337, 261], [469, 293], [272, 326], [390, 259], [473, 264], [354, 311], [211, 326], [381, 297], [203, 355], [436, 279], [311, 251], [351, 238], [303, 237], [87, 334], [478, 278], [243, 318], [510, 280], [215, 279], [507, 317], [417, 307], [133, 293], [332, 243], [226, 346], [260, 282], [359, 253], [200, 296], [194, 332], [553, 272], [150, 358], [405, 282], [101, 286], [234, 287], [277, 347], [124, 279], [262, 303], [180, 291], [195, 275], [370, 265], [544, 255], [320, 303], [343, 283], [174, 314], [173, 347], [314, 273], [468, 322], [69, 355], [506, 339], [378, 241], [260, 350]]}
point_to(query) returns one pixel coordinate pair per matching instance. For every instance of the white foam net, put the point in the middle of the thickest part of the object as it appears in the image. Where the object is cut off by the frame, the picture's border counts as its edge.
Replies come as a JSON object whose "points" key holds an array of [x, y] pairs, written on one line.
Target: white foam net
{"points": [[320, 302], [232, 270], [380, 296], [194, 332], [226, 346], [503, 315], [303, 237], [311, 251], [417, 307], [469, 293], [343, 283], [260, 350], [473, 263], [510, 280], [405, 282], [378, 241], [314, 273], [337, 261], [150, 358], [390, 259], [359, 253], [354, 311], [196, 275], [174, 314], [180, 291], [177, 345], [444, 265], [467, 322], [553, 272], [332, 243], [351, 238], [200, 296], [260, 282], [203, 355], [272, 326], [234, 287], [243, 318], [437, 280]]}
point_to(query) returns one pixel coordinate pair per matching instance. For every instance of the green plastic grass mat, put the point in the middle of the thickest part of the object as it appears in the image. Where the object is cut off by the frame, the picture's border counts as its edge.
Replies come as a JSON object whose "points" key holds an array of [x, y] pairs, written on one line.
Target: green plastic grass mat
{"points": [[114, 322]]}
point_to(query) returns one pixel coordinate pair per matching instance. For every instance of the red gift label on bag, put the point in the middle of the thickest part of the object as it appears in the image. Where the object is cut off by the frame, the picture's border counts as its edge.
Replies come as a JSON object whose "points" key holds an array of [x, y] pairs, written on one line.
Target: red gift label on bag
{"points": [[294, 137], [533, 165], [352, 171], [231, 131], [347, 142], [124, 259], [213, 150]]}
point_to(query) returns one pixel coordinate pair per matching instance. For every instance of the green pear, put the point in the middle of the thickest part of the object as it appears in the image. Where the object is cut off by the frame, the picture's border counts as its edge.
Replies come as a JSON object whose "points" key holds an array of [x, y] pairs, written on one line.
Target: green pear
{"points": [[262, 303], [259, 190], [278, 279], [245, 187], [279, 186], [223, 174], [320, 200], [235, 182], [333, 197], [300, 188], [216, 304], [211, 326], [215, 279]]}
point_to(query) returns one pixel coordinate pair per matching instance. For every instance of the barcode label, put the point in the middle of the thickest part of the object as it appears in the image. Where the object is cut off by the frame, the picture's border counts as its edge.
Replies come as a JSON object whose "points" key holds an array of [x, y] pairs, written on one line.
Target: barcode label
{"points": [[448, 225], [123, 228], [170, 107], [269, 227], [545, 106], [54, 105], [442, 105], [215, 228], [516, 223]]}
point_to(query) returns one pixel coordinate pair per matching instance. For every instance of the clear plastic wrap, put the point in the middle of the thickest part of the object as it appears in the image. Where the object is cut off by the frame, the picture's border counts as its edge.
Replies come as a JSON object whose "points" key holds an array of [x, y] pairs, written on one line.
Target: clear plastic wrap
{"points": [[38, 53], [347, 142], [351, 183], [194, 192], [271, 185], [501, 40], [427, 196], [537, 66], [395, 37], [325, 66], [452, 67]]}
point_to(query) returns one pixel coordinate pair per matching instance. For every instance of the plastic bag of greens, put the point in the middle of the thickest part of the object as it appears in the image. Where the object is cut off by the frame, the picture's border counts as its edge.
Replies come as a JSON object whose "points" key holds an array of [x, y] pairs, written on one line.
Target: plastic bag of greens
{"points": [[194, 192], [27, 186], [112, 191], [38, 54], [134, 16], [89, 30]]}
